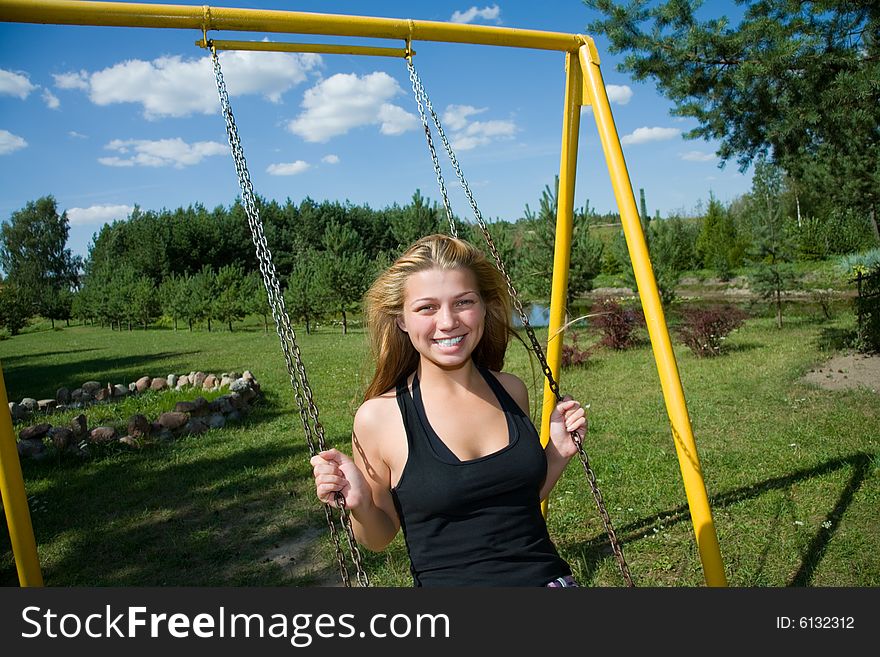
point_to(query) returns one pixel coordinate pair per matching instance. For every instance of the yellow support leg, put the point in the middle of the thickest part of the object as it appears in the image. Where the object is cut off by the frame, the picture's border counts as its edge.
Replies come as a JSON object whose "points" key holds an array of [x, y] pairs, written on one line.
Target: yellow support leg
{"points": [[18, 517], [673, 394], [562, 247]]}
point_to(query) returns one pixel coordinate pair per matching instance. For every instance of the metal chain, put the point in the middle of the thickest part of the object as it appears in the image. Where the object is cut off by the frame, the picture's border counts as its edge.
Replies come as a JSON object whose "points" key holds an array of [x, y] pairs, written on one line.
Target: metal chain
{"points": [[422, 96], [419, 92], [308, 411]]}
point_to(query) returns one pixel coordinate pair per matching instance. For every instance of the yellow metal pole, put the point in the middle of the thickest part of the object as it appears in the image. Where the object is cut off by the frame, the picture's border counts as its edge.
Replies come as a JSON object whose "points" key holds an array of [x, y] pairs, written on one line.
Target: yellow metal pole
{"points": [[673, 394], [198, 17], [18, 517], [328, 49], [562, 247]]}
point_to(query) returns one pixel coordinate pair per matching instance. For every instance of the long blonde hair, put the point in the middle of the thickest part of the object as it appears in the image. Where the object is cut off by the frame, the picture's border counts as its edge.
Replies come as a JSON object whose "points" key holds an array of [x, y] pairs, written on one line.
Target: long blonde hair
{"points": [[392, 350]]}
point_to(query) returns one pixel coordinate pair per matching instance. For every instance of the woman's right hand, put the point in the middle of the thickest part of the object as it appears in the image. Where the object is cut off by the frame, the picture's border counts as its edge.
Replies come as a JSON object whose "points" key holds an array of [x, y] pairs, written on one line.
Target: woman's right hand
{"points": [[337, 472]]}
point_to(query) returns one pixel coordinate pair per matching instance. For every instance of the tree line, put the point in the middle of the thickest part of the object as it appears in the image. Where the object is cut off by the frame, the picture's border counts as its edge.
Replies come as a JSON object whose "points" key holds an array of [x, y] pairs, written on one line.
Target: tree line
{"points": [[197, 267]]}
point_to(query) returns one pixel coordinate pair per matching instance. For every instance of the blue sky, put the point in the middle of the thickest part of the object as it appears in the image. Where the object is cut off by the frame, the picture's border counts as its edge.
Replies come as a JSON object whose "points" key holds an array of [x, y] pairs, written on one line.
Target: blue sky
{"points": [[104, 118]]}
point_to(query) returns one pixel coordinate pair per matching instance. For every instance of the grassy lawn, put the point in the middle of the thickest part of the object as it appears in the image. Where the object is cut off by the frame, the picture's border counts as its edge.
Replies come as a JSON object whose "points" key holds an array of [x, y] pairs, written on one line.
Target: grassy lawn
{"points": [[793, 471]]}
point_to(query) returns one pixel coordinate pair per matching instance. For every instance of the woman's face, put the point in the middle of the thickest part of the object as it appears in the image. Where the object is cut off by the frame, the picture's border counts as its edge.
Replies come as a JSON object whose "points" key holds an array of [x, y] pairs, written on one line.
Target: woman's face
{"points": [[444, 315]]}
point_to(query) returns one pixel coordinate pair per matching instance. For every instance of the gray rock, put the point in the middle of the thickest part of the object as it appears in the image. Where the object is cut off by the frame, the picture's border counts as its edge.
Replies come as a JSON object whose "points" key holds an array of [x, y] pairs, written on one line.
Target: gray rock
{"points": [[120, 390], [30, 404], [220, 405], [194, 427], [138, 426], [185, 407], [80, 428], [35, 432], [239, 385], [18, 412], [183, 382], [47, 405], [233, 416], [132, 387], [172, 380], [164, 435], [77, 395], [199, 379], [143, 383], [225, 380], [130, 441], [33, 449], [102, 435], [201, 407], [216, 421], [248, 376], [62, 396], [209, 382], [103, 394], [159, 383], [91, 387], [173, 420], [62, 438]]}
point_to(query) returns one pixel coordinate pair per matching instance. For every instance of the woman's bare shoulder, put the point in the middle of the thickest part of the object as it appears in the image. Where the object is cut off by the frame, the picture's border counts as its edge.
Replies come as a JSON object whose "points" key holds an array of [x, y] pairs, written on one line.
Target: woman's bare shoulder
{"points": [[515, 388], [375, 414]]}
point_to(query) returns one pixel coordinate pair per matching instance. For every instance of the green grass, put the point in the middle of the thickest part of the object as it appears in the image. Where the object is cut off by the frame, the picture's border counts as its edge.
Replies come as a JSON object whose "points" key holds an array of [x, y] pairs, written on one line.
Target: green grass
{"points": [[793, 472]]}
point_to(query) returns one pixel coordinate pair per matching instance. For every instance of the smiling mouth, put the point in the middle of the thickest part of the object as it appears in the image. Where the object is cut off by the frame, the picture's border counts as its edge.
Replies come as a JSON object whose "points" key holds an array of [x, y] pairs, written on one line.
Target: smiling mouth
{"points": [[449, 342]]}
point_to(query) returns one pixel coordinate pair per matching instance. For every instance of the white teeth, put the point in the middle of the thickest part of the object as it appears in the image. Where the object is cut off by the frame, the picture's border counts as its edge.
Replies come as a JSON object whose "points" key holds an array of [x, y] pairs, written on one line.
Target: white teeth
{"points": [[450, 342]]}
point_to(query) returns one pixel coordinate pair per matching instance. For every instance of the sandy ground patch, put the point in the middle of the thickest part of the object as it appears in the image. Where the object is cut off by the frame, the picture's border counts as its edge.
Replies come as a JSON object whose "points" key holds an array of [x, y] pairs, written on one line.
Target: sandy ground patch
{"points": [[846, 371]]}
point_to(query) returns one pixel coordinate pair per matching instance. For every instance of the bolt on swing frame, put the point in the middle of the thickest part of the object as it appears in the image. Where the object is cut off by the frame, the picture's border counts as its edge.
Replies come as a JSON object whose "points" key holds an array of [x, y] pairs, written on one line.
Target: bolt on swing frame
{"points": [[584, 86]]}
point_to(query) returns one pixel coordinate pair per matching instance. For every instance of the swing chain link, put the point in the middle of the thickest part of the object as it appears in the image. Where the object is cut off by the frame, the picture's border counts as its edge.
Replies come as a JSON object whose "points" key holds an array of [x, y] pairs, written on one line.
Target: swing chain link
{"points": [[422, 96], [308, 411], [419, 92]]}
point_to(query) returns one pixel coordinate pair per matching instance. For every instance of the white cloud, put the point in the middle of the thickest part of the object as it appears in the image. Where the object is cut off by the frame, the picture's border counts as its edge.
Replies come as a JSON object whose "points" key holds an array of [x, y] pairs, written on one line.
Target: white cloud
{"points": [[97, 214], [160, 153], [467, 134], [698, 156], [456, 116], [468, 15], [51, 99], [288, 168], [176, 87], [330, 159], [645, 134], [619, 94], [76, 135], [78, 80], [10, 142], [345, 101], [15, 84]]}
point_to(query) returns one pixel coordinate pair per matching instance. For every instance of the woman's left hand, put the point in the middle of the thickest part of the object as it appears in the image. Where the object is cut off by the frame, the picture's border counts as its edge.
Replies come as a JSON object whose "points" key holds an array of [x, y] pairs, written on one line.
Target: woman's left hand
{"points": [[568, 417]]}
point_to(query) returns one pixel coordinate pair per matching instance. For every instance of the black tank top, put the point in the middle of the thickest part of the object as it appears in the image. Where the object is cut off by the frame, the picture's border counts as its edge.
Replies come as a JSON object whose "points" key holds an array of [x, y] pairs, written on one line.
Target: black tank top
{"points": [[475, 522]]}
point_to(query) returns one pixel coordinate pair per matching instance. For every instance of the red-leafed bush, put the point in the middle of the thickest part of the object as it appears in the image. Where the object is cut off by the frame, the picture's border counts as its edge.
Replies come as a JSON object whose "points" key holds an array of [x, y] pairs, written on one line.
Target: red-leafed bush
{"points": [[616, 323], [704, 330], [573, 355]]}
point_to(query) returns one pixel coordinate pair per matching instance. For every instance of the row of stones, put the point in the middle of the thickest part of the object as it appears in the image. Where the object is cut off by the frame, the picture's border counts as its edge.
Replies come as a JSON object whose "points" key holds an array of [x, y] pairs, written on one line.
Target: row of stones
{"points": [[93, 391], [187, 418]]}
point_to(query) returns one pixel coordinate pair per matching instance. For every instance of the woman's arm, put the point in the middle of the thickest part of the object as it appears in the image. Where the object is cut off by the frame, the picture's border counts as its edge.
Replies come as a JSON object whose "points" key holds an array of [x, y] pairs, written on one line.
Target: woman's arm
{"points": [[364, 481]]}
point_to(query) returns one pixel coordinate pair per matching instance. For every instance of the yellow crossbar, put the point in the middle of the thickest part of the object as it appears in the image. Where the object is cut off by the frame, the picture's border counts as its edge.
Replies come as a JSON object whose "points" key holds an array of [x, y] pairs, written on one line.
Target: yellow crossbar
{"points": [[124, 14], [323, 48]]}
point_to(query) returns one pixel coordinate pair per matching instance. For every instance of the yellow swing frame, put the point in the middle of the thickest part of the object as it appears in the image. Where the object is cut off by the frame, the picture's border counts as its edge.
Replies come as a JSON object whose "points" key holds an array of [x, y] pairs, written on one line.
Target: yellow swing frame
{"points": [[584, 87]]}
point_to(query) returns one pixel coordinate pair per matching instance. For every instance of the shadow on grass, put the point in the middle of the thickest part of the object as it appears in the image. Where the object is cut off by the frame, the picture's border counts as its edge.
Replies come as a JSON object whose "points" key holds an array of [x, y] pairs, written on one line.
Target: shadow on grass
{"points": [[836, 339], [216, 509], [24, 380], [594, 551]]}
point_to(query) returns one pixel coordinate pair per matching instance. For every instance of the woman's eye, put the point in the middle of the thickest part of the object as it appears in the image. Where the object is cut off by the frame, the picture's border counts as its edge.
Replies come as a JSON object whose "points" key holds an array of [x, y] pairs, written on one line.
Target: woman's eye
{"points": [[465, 302]]}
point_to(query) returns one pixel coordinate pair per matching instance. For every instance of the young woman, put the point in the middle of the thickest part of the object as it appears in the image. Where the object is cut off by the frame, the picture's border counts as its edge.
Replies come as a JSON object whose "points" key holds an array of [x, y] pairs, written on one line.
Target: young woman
{"points": [[443, 445]]}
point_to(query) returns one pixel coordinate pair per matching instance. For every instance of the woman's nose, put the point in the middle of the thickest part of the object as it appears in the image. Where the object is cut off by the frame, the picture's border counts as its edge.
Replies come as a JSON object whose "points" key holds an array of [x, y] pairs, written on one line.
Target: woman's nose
{"points": [[447, 318]]}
